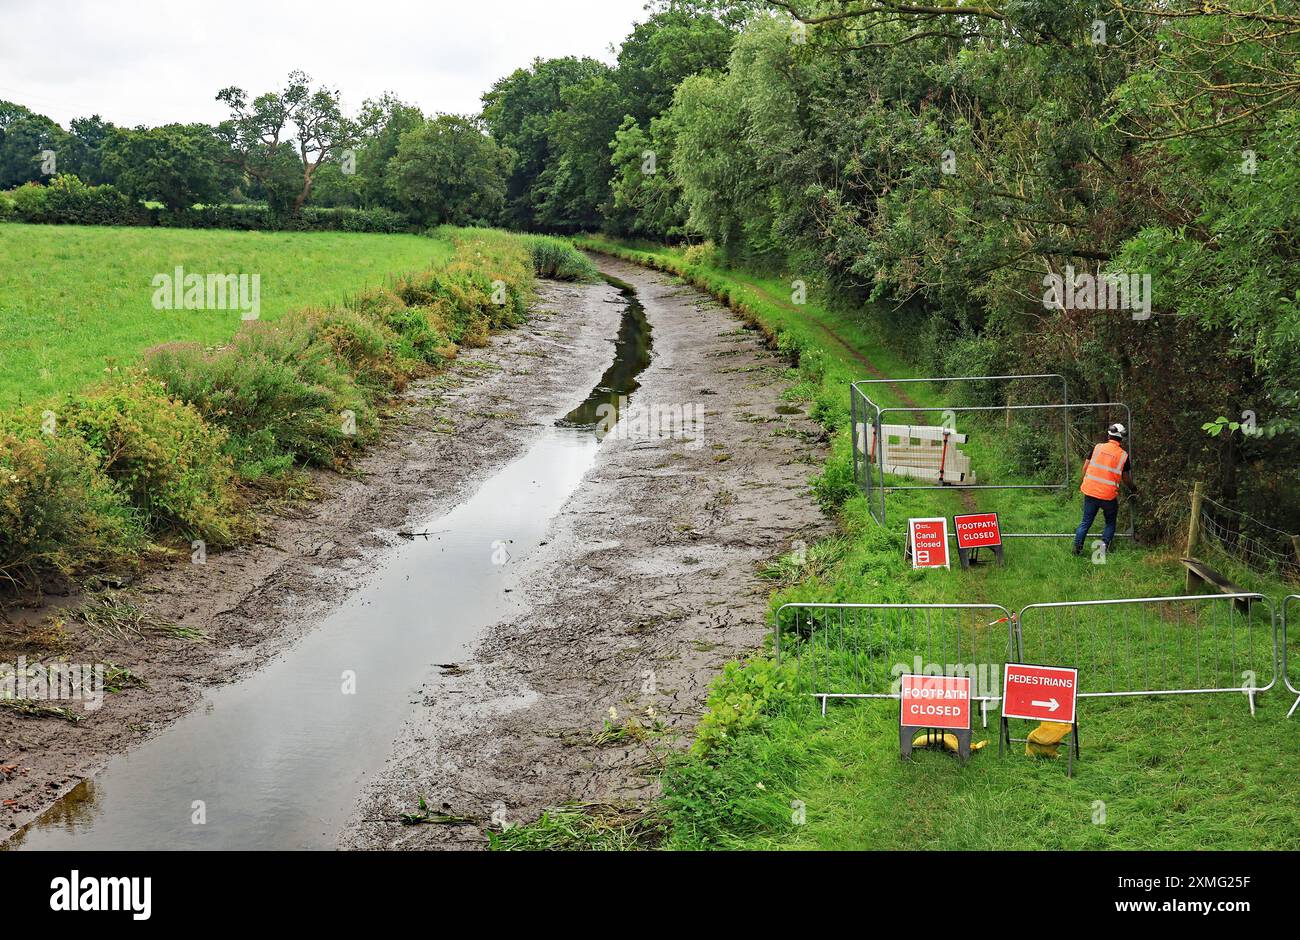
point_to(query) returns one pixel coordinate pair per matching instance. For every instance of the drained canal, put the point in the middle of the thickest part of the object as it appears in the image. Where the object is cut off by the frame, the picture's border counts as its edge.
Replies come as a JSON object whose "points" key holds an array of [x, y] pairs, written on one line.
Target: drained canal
{"points": [[277, 760]]}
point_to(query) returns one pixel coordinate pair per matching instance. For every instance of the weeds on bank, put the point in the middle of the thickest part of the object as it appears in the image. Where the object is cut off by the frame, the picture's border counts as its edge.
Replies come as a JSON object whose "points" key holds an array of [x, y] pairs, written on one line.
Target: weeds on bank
{"points": [[179, 446], [592, 827]]}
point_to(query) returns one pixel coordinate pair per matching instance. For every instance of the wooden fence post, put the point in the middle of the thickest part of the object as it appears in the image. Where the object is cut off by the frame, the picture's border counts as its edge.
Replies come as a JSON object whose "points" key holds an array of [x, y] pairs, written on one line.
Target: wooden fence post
{"points": [[1193, 529]]}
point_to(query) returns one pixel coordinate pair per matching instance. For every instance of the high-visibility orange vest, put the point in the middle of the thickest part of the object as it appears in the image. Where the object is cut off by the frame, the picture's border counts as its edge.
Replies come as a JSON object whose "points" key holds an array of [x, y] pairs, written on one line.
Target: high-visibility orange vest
{"points": [[1103, 471]]}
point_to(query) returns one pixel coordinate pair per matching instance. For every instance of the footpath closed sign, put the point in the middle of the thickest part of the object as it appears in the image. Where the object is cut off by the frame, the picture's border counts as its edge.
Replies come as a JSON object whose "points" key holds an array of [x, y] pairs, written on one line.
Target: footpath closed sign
{"points": [[927, 542], [935, 702], [977, 530], [1039, 693]]}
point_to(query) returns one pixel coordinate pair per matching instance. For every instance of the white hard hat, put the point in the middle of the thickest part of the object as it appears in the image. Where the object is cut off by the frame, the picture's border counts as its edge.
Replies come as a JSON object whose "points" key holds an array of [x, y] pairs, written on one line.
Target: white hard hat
{"points": [[1117, 430]]}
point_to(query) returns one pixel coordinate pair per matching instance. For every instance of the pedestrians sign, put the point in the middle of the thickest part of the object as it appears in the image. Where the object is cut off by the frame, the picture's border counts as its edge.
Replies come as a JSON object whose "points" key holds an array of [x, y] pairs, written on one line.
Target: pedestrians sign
{"points": [[1039, 693], [927, 542]]}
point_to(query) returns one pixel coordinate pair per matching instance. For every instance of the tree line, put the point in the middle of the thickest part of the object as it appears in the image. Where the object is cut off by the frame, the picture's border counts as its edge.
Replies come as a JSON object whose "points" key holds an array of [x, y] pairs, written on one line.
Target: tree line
{"points": [[288, 149], [935, 164]]}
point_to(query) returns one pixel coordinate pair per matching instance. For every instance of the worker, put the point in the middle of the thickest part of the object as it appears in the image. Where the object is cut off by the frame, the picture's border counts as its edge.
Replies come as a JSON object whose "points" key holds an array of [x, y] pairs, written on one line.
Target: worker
{"points": [[1102, 474]]}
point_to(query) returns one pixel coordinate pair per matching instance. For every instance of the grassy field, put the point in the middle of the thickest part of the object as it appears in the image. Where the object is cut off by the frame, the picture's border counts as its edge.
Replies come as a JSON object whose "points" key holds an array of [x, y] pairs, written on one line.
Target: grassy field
{"points": [[72, 298], [1187, 772]]}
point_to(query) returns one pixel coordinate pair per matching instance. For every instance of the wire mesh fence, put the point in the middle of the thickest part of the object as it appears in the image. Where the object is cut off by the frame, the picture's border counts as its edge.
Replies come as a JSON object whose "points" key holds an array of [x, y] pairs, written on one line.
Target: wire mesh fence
{"points": [[1254, 544], [861, 650], [996, 433], [1157, 645]]}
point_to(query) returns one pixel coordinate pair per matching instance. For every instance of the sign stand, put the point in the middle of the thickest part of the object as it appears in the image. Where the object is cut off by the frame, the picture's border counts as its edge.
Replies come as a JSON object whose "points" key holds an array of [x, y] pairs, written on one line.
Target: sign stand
{"points": [[935, 705], [971, 556], [1072, 739], [932, 736], [974, 531], [1040, 693]]}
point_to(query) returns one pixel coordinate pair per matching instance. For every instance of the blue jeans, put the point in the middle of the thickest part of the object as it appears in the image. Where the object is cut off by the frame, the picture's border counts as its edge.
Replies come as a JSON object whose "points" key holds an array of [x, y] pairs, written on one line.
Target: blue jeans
{"points": [[1109, 510]]}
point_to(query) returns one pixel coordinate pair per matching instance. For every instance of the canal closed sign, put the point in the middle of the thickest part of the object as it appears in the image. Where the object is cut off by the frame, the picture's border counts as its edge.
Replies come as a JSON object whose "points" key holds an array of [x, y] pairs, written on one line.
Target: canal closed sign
{"points": [[935, 702], [1039, 693], [927, 542]]}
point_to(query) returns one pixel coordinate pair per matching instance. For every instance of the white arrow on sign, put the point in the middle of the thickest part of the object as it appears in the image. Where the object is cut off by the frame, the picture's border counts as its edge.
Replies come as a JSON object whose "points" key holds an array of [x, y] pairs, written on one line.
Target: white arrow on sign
{"points": [[1051, 704]]}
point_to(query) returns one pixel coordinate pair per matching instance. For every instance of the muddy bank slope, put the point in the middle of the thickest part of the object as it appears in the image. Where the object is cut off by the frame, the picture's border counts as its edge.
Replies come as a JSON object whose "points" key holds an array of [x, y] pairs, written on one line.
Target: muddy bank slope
{"points": [[647, 587], [254, 602]]}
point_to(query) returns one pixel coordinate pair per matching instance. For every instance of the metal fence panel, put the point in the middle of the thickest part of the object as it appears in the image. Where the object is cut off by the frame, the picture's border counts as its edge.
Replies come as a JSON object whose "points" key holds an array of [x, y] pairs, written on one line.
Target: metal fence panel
{"points": [[910, 446], [1188, 644], [860, 650], [1290, 608]]}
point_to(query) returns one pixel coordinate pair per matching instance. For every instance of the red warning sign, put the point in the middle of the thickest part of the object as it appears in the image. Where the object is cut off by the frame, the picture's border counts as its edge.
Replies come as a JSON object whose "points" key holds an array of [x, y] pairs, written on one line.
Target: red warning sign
{"points": [[977, 530], [935, 701], [1039, 693], [927, 539]]}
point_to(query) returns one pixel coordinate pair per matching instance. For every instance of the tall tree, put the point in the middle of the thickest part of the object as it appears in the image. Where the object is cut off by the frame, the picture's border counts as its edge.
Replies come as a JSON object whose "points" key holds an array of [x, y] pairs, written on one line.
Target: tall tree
{"points": [[300, 123], [177, 164], [24, 137], [449, 170], [518, 111]]}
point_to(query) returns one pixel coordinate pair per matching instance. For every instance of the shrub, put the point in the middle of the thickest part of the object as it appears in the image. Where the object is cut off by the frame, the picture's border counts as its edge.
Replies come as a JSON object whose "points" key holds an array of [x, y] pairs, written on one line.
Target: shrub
{"points": [[58, 513], [277, 391], [7, 209], [257, 217], [559, 260], [740, 698], [476, 333], [69, 201], [1030, 450], [167, 461], [705, 253], [367, 346], [29, 202], [423, 334]]}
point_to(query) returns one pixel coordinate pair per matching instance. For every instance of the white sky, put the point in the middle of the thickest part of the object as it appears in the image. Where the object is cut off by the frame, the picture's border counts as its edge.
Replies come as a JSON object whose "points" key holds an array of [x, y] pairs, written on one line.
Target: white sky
{"points": [[153, 62]]}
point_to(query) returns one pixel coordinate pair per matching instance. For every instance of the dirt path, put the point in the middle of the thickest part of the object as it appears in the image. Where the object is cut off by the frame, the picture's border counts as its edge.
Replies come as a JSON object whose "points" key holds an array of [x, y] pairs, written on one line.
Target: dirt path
{"points": [[256, 601], [853, 352], [646, 586]]}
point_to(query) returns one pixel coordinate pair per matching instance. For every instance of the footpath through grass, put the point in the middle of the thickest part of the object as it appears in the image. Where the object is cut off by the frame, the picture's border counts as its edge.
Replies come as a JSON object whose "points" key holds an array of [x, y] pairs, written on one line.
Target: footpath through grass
{"points": [[75, 297], [766, 771]]}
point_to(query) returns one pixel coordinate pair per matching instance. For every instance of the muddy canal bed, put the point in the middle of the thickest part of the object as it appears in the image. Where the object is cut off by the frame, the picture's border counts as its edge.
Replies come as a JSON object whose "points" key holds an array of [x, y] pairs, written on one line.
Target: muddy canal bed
{"points": [[562, 556]]}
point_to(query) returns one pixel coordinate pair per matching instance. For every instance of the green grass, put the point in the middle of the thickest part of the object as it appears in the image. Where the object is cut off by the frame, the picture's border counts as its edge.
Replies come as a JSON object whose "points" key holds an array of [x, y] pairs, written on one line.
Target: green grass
{"points": [[1183, 772], [74, 298]]}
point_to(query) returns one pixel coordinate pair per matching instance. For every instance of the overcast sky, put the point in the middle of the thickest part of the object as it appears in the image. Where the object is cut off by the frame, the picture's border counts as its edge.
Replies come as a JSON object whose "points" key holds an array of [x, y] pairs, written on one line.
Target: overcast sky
{"points": [[153, 62]]}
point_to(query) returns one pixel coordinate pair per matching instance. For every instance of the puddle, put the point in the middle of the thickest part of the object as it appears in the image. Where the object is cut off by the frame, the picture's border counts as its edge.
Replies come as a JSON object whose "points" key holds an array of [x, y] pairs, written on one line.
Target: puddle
{"points": [[631, 356], [277, 760]]}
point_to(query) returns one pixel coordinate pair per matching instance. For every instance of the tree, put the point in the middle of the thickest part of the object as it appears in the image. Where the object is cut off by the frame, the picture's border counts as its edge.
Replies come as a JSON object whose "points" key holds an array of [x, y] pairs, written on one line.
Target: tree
{"points": [[518, 111], [299, 123], [572, 192], [177, 164], [670, 45], [85, 146], [448, 170], [389, 118], [24, 137], [647, 198]]}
